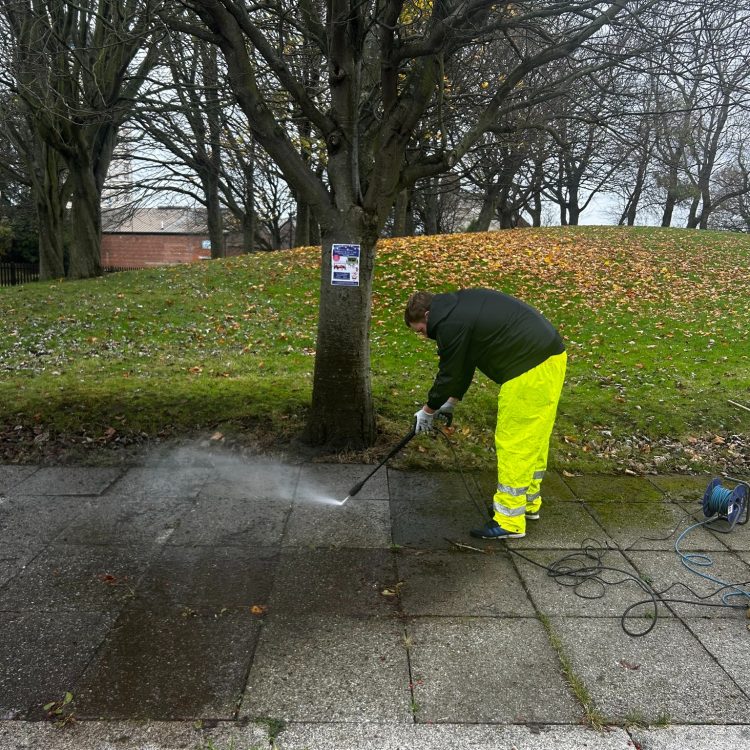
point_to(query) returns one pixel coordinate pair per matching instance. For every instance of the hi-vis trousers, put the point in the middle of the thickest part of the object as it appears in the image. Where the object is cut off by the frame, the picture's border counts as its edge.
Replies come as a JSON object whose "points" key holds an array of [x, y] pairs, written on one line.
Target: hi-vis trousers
{"points": [[526, 410]]}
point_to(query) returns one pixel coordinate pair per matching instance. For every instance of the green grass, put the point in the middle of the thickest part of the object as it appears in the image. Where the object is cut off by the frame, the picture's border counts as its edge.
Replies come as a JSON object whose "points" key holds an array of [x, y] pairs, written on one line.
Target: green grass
{"points": [[656, 325]]}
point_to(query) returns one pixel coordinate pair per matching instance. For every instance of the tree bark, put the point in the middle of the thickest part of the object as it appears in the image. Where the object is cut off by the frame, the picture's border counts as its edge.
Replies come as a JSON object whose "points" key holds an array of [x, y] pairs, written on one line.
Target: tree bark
{"points": [[86, 239], [342, 414]]}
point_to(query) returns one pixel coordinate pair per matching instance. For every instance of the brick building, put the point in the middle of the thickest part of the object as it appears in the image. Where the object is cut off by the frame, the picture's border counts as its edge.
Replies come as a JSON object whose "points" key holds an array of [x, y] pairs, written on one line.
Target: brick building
{"points": [[154, 237]]}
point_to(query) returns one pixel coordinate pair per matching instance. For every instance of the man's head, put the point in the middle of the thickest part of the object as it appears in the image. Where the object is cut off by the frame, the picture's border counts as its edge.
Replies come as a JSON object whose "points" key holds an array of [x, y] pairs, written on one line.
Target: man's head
{"points": [[417, 311]]}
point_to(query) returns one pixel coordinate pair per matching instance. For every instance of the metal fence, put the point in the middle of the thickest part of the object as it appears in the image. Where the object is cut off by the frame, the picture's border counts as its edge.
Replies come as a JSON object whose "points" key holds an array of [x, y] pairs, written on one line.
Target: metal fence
{"points": [[18, 273]]}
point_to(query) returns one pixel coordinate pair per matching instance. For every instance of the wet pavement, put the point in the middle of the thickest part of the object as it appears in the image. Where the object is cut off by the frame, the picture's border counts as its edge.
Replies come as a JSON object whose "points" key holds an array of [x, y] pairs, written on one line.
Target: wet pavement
{"points": [[204, 600]]}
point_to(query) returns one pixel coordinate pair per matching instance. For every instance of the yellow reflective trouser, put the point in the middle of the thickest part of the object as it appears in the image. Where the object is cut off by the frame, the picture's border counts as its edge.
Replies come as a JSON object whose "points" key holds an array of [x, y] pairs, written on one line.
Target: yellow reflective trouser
{"points": [[526, 410]]}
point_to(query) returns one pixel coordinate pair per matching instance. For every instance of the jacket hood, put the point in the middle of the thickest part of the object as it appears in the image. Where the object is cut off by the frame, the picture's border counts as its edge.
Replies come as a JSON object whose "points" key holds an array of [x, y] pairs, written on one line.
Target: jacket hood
{"points": [[441, 307]]}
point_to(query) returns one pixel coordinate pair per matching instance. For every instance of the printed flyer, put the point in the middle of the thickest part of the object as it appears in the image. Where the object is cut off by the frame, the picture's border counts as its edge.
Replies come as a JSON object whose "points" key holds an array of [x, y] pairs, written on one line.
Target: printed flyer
{"points": [[345, 265]]}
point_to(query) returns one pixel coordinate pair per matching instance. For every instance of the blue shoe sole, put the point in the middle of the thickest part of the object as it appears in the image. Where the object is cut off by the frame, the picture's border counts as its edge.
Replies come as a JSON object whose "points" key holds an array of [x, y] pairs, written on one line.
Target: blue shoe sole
{"points": [[495, 533]]}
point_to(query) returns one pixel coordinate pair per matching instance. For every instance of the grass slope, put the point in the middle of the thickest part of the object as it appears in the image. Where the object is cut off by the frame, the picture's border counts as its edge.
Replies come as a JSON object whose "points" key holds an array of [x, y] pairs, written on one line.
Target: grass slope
{"points": [[655, 320]]}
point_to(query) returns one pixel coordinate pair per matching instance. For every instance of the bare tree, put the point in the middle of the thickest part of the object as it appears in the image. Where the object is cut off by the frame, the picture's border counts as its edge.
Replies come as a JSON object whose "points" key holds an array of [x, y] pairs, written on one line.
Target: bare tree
{"points": [[383, 65], [77, 68]]}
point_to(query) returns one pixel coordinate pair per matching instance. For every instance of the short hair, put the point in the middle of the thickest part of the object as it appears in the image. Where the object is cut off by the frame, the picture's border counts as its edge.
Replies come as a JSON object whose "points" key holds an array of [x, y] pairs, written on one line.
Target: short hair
{"points": [[416, 307]]}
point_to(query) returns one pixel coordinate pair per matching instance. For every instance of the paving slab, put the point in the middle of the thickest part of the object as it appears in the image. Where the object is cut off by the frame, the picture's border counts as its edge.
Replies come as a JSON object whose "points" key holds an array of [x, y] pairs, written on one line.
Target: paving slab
{"points": [[251, 480], [163, 481], [28, 523], [43, 654], [68, 480], [12, 476], [169, 665], [737, 539], [456, 583], [359, 523], [555, 488], [728, 641], [443, 736], [9, 567], [682, 486], [688, 737], [333, 482], [576, 585], [174, 735], [562, 525], [65, 578], [664, 676], [651, 526], [456, 676], [207, 579], [663, 569], [426, 523], [358, 582], [330, 669], [434, 486], [118, 520], [615, 489], [235, 522], [122, 735]]}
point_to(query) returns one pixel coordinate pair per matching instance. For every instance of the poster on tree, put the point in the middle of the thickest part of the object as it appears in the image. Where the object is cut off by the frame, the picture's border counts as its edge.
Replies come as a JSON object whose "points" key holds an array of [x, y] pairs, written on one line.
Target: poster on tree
{"points": [[345, 265]]}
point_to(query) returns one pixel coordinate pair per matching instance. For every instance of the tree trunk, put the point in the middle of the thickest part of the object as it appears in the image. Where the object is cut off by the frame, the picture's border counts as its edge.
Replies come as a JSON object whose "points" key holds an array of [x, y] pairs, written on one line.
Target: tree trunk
{"points": [[482, 224], [86, 240], [342, 414], [50, 210], [403, 226], [302, 227]]}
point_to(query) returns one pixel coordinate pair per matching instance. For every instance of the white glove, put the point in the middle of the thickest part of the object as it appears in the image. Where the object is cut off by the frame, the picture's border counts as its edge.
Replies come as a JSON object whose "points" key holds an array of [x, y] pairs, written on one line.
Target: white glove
{"points": [[424, 421], [447, 411]]}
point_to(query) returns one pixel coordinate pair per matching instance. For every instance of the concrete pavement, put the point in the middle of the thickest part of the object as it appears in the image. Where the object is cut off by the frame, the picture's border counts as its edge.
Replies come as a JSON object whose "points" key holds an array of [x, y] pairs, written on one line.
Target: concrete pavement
{"points": [[204, 600]]}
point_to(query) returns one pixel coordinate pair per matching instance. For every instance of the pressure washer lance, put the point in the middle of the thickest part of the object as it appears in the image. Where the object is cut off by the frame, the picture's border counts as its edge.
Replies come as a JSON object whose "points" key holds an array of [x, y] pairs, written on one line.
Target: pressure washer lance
{"points": [[447, 418]]}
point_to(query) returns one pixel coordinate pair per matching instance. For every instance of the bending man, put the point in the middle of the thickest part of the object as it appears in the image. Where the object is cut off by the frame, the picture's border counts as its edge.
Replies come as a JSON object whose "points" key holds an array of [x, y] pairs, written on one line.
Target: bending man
{"points": [[516, 346]]}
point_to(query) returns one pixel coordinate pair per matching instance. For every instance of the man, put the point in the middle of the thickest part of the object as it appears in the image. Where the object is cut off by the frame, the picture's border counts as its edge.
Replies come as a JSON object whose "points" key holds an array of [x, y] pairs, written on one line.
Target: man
{"points": [[517, 347]]}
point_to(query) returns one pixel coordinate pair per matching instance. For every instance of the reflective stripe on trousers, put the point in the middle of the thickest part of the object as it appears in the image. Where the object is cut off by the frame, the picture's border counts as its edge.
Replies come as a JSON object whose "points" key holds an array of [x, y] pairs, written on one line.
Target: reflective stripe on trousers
{"points": [[526, 410]]}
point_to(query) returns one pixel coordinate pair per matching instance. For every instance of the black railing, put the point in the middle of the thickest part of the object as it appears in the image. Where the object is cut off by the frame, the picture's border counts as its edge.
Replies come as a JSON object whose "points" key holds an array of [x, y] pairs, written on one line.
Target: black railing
{"points": [[18, 273]]}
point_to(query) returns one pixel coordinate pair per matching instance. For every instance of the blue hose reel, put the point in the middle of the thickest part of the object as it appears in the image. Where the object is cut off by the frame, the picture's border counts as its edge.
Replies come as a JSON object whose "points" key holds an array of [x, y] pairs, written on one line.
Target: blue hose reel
{"points": [[726, 504]]}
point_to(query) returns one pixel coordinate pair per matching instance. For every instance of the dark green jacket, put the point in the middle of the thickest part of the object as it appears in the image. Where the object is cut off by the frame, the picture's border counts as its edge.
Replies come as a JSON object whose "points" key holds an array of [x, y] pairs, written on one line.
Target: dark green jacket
{"points": [[492, 331]]}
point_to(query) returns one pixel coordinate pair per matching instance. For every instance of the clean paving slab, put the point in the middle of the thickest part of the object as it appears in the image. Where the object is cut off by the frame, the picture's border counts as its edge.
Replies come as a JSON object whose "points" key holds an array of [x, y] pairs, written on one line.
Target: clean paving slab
{"points": [[169, 665], [358, 523], [251, 480], [207, 579], [333, 482], [425, 522], [593, 583], [65, 578], [728, 641], [127, 735], [666, 675], [687, 737], [434, 486], [460, 583], [665, 570], [68, 480], [457, 676], [43, 654], [447, 736], [118, 520], [329, 668], [28, 523], [162, 481], [235, 522], [12, 476], [357, 582], [651, 526]]}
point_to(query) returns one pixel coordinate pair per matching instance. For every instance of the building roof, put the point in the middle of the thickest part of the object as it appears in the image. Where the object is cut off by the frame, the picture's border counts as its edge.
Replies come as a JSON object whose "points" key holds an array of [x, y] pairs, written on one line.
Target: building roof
{"points": [[159, 220]]}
